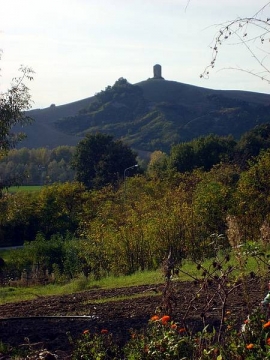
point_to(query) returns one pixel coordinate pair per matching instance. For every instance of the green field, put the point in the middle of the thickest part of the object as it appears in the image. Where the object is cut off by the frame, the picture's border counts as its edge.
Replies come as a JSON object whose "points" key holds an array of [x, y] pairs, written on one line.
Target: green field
{"points": [[24, 188]]}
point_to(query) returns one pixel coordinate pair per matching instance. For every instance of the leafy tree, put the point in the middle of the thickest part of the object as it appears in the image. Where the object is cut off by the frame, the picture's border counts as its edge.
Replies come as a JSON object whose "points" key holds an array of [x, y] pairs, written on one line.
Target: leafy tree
{"points": [[157, 164], [13, 104], [253, 195], [203, 152], [252, 142], [99, 160], [59, 207]]}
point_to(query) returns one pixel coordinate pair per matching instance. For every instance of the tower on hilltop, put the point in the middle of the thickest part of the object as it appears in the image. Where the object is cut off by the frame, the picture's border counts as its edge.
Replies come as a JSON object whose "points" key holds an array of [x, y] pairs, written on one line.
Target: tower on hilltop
{"points": [[157, 72]]}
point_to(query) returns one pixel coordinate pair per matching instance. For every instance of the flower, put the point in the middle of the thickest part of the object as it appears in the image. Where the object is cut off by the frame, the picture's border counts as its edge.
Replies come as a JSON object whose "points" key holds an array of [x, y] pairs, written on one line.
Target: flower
{"points": [[165, 319], [104, 331], [266, 325], [250, 346], [154, 318], [86, 332], [246, 321], [174, 326], [268, 341], [182, 330]]}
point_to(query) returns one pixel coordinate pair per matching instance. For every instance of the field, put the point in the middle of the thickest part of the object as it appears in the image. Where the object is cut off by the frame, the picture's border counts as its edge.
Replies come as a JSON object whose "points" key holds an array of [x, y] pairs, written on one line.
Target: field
{"points": [[13, 189], [45, 322]]}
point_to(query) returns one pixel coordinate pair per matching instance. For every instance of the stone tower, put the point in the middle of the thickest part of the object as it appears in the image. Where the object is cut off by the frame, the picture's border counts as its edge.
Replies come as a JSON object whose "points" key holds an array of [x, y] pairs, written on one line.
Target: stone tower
{"points": [[157, 71]]}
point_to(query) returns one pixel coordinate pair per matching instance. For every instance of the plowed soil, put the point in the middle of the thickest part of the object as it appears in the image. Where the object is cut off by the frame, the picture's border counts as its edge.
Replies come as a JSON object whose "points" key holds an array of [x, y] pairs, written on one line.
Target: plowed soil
{"points": [[46, 321]]}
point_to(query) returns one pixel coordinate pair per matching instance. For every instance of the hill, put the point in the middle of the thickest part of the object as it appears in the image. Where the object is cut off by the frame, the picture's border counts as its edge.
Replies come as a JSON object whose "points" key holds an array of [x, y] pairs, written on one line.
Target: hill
{"points": [[150, 115]]}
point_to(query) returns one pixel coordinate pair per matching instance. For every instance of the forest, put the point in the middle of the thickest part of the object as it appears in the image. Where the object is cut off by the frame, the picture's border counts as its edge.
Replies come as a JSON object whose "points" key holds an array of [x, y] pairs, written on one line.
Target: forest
{"points": [[197, 194]]}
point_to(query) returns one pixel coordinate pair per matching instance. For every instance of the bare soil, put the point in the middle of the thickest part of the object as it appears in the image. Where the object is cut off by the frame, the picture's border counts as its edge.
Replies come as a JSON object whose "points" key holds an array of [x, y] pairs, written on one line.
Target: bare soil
{"points": [[46, 321]]}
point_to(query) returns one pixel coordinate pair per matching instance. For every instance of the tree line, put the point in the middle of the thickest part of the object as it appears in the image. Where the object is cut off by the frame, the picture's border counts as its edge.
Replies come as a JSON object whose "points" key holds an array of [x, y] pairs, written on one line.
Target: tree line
{"points": [[37, 166], [100, 160]]}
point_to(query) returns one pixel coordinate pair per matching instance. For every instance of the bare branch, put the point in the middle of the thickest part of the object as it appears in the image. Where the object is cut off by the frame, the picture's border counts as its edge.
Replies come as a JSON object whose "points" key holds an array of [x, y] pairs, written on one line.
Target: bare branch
{"points": [[252, 33]]}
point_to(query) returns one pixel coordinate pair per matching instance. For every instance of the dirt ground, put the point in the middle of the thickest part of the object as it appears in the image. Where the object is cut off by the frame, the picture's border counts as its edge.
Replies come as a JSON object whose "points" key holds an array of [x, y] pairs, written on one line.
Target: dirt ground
{"points": [[46, 321]]}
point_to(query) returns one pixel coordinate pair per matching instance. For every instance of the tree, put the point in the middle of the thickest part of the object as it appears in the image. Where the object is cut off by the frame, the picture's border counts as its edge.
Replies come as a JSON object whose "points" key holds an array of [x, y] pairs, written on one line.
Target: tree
{"points": [[13, 104], [99, 160], [252, 143], [253, 33], [202, 152]]}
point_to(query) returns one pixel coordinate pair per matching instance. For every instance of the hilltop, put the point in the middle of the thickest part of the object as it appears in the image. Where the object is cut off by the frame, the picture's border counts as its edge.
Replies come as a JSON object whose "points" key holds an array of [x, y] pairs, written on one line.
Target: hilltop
{"points": [[151, 115]]}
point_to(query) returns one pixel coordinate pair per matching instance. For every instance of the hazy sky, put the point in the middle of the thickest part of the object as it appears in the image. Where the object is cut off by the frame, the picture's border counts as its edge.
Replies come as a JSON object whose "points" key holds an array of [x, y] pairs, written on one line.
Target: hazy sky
{"points": [[78, 47]]}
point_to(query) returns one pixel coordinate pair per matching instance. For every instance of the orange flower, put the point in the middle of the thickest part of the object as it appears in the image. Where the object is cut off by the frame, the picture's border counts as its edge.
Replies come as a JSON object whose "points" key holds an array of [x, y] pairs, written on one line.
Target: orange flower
{"points": [[268, 341], [86, 332], [154, 318], [174, 326], [266, 325], [250, 346], [182, 330], [104, 331], [165, 319]]}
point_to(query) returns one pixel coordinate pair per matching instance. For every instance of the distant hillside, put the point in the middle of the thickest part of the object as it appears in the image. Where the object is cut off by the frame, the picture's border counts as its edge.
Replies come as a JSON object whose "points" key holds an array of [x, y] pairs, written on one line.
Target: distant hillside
{"points": [[151, 115]]}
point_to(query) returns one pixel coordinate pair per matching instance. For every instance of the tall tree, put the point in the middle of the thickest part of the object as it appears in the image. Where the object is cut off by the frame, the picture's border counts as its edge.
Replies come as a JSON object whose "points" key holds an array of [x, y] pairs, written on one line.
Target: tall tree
{"points": [[99, 160], [13, 104]]}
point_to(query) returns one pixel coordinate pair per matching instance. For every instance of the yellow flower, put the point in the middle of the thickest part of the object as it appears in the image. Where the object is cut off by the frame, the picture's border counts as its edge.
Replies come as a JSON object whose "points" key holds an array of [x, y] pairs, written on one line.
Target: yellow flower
{"points": [[250, 346]]}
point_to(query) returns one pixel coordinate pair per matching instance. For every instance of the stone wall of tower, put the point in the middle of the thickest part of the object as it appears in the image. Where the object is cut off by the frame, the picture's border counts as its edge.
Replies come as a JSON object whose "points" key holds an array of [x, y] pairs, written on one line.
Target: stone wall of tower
{"points": [[157, 71]]}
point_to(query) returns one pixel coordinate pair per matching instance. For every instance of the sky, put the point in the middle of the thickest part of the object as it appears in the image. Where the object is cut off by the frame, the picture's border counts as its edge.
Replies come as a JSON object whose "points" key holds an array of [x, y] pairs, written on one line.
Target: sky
{"points": [[79, 47]]}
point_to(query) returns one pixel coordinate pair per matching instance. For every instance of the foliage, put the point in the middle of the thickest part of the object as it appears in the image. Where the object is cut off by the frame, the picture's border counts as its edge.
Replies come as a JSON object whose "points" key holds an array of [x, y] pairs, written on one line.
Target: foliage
{"points": [[53, 209], [252, 143], [155, 114], [253, 195], [203, 152], [38, 166], [13, 104], [165, 338], [96, 346], [99, 160]]}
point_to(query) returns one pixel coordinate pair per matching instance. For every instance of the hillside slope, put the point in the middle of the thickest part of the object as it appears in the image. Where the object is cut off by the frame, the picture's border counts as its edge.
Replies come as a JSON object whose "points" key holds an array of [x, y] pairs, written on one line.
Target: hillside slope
{"points": [[150, 115]]}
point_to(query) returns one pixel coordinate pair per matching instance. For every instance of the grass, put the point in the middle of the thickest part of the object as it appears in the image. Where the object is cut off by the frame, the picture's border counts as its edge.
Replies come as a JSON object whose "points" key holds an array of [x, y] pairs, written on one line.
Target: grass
{"points": [[15, 294], [188, 272], [24, 188]]}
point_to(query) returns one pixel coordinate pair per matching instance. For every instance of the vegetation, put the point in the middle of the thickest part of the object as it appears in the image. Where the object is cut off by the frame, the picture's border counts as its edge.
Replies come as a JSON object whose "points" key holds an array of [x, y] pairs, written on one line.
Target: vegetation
{"points": [[100, 161], [13, 104], [156, 114], [38, 166], [44, 167], [206, 202]]}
